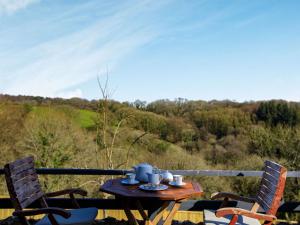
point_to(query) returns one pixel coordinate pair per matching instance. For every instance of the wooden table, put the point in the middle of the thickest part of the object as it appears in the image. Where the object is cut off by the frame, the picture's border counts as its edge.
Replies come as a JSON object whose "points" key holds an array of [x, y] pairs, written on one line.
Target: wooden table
{"points": [[167, 201]]}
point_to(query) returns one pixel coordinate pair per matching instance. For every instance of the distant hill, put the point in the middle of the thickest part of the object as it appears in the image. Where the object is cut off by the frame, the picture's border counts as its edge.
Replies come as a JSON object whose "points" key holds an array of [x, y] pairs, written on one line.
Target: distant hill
{"points": [[177, 134]]}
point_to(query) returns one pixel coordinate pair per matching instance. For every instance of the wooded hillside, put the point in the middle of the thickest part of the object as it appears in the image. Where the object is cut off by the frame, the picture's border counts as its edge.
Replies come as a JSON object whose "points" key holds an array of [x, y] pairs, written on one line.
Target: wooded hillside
{"points": [[177, 134]]}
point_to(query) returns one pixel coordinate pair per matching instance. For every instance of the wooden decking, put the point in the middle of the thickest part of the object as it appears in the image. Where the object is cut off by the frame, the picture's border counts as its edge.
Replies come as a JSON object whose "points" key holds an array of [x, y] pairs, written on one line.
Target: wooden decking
{"points": [[194, 217]]}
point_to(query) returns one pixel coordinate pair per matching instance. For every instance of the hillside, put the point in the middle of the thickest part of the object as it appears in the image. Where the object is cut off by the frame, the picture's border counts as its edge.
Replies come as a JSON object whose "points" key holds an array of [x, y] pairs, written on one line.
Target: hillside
{"points": [[176, 134]]}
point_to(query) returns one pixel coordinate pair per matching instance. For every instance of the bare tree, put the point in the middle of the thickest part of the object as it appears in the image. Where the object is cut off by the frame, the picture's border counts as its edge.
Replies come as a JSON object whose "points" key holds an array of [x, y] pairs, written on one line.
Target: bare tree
{"points": [[106, 137]]}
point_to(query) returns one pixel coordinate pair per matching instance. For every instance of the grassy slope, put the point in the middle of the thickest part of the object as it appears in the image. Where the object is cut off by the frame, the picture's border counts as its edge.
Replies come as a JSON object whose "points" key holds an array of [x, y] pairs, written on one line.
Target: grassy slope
{"points": [[83, 118], [169, 155]]}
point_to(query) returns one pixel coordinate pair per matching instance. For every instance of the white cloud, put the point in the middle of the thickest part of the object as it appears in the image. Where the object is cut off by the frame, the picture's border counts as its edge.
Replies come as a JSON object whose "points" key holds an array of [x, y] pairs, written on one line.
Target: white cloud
{"points": [[71, 94], [11, 6]]}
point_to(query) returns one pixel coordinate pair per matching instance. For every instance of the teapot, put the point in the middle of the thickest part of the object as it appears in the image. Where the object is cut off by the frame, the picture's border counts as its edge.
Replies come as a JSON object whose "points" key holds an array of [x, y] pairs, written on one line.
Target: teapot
{"points": [[142, 170], [167, 176]]}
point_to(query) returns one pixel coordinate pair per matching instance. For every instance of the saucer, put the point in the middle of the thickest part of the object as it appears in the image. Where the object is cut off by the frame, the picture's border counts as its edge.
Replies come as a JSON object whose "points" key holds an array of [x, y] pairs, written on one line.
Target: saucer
{"points": [[172, 183], [126, 182], [151, 187]]}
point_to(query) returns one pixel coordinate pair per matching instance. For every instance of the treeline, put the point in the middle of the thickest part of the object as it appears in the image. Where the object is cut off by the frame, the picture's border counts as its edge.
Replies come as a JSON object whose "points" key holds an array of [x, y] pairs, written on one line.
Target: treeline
{"points": [[45, 101], [271, 112]]}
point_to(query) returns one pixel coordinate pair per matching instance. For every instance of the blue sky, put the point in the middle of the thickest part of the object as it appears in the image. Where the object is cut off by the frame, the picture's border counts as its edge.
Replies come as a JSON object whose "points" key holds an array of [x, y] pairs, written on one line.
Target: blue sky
{"points": [[213, 49]]}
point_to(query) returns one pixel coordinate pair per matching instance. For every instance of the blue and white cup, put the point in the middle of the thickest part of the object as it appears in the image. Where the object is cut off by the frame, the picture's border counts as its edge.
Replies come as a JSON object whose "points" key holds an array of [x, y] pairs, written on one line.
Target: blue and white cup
{"points": [[178, 180], [154, 178], [130, 177]]}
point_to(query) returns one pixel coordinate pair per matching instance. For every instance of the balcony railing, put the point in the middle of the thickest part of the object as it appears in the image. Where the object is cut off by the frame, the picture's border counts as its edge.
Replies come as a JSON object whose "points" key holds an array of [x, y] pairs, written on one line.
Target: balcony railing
{"points": [[192, 205]]}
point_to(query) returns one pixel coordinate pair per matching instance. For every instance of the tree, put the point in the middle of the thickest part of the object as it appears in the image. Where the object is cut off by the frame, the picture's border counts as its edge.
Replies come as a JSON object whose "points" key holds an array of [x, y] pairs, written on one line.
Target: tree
{"points": [[108, 129], [274, 113], [140, 104]]}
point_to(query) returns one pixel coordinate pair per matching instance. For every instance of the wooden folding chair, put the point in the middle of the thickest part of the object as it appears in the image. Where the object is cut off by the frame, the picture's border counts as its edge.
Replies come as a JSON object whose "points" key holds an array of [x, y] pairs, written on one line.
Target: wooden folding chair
{"points": [[24, 189], [268, 198]]}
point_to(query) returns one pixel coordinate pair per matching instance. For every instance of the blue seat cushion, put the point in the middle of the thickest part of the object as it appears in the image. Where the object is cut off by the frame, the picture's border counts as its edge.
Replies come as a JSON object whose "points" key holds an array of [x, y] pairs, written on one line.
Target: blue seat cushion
{"points": [[83, 216], [210, 218]]}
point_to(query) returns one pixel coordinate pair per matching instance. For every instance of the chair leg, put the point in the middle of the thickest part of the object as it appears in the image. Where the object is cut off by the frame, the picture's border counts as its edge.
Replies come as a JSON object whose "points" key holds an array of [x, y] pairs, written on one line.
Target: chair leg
{"points": [[23, 220], [234, 220]]}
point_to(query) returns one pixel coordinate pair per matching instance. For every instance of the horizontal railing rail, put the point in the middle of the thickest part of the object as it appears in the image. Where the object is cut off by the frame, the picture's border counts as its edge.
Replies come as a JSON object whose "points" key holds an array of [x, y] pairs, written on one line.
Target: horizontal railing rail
{"points": [[219, 173]]}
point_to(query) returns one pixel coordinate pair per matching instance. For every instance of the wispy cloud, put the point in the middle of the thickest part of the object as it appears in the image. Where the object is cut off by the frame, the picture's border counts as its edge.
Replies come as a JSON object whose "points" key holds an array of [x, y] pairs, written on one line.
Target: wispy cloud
{"points": [[52, 66], [11, 6]]}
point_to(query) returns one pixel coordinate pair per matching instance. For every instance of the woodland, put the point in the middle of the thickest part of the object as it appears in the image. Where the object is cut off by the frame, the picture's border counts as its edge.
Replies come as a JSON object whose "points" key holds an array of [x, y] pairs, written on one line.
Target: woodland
{"points": [[170, 134]]}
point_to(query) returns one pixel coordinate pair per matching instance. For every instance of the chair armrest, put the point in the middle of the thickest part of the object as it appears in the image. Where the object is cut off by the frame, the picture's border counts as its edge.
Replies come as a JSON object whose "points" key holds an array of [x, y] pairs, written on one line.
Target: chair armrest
{"points": [[232, 196], [67, 191], [237, 211], [50, 210], [71, 193]]}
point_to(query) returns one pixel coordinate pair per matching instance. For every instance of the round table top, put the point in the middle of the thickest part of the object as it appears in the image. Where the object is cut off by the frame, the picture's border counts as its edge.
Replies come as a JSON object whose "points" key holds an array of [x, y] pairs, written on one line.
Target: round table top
{"points": [[115, 187]]}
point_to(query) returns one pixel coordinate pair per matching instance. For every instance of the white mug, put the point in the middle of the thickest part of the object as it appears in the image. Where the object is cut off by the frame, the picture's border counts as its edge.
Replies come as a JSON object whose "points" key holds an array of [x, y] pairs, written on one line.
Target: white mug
{"points": [[177, 179], [130, 177]]}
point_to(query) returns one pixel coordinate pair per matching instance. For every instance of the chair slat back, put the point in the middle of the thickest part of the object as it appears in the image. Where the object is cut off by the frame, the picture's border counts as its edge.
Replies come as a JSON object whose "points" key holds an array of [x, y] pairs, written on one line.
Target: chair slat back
{"points": [[22, 182], [271, 187]]}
